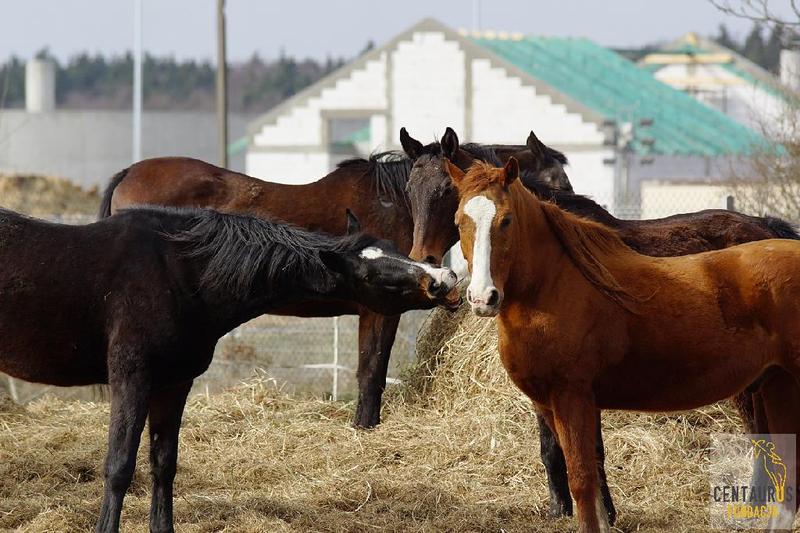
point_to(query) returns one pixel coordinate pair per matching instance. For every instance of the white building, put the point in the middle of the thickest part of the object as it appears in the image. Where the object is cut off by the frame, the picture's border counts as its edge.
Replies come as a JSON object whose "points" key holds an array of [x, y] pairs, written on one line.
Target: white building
{"points": [[616, 123], [718, 77]]}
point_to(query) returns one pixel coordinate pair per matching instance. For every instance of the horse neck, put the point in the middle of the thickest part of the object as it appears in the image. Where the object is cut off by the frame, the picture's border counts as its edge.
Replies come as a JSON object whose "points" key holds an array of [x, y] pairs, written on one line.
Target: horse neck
{"points": [[229, 308], [321, 206], [556, 249], [537, 256]]}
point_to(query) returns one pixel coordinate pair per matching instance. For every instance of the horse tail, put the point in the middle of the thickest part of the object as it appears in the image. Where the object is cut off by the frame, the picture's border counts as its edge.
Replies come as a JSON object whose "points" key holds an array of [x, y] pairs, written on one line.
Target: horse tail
{"points": [[105, 203], [781, 229]]}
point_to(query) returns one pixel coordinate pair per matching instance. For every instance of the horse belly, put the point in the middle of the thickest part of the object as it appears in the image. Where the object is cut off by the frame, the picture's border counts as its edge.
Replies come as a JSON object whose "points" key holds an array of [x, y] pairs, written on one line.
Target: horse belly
{"points": [[44, 341], [649, 382]]}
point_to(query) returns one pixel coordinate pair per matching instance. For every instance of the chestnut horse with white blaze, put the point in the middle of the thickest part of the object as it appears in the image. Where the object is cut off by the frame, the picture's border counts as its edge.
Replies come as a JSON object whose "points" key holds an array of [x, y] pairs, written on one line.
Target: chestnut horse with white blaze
{"points": [[586, 323]]}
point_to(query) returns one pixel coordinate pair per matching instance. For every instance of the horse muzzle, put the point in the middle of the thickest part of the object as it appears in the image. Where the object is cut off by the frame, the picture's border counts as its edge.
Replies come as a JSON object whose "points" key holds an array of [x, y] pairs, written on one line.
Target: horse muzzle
{"points": [[442, 288], [485, 302]]}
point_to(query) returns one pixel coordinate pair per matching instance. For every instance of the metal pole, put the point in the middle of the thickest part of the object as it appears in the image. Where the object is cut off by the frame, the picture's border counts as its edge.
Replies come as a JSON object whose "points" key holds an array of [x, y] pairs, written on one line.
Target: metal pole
{"points": [[476, 15], [335, 392], [137, 81], [222, 86]]}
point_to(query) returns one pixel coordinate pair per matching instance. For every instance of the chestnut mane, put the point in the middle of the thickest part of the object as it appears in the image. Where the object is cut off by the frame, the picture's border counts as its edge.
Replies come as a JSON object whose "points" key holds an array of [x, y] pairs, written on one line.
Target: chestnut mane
{"points": [[587, 244]]}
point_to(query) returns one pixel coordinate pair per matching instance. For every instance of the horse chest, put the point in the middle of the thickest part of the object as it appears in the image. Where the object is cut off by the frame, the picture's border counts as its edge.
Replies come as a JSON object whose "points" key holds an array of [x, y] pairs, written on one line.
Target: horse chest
{"points": [[529, 353]]}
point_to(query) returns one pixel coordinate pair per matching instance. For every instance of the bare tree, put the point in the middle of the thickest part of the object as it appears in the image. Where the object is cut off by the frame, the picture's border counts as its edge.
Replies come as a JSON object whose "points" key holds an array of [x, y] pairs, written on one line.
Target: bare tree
{"points": [[767, 180], [759, 11]]}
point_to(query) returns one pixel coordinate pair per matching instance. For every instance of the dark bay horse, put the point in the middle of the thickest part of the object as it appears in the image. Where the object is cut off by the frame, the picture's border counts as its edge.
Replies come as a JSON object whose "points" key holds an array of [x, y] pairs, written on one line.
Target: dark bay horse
{"points": [[587, 323], [434, 203], [373, 189], [140, 299]]}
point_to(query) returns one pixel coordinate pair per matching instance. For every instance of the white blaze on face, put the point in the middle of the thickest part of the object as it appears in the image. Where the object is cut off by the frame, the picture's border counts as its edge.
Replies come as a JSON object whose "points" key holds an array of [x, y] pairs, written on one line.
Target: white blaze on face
{"points": [[481, 210], [440, 275]]}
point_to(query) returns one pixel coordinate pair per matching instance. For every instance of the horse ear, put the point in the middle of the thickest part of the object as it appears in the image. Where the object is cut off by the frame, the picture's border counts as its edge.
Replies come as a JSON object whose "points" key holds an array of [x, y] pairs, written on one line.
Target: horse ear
{"points": [[456, 174], [353, 225], [511, 171], [535, 145], [334, 261], [449, 143], [411, 146]]}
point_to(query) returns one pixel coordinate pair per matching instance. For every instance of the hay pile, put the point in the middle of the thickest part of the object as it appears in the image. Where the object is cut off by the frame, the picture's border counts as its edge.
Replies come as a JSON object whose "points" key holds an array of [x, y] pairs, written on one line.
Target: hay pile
{"points": [[457, 451], [44, 196]]}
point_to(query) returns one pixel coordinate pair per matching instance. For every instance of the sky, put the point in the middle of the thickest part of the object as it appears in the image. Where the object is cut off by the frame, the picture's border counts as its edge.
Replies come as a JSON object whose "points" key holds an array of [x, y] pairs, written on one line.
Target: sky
{"points": [[339, 28]]}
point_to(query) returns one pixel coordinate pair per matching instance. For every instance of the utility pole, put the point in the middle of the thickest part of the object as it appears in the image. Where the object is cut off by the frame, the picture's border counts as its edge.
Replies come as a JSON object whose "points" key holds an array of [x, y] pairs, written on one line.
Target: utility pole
{"points": [[136, 152], [222, 86], [476, 15]]}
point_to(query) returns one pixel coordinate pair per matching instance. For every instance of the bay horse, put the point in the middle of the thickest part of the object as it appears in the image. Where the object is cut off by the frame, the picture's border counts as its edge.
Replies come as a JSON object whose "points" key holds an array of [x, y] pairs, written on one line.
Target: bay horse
{"points": [[139, 301], [434, 203], [587, 323], [373, 189]]}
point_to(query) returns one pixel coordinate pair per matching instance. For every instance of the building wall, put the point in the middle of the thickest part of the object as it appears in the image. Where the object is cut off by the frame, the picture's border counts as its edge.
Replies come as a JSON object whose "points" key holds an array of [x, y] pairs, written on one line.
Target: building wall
{"points": [[88, 147], [737, 97], [505, 111], [428, 80], [304, 125], [293, 167], [662, 199]]}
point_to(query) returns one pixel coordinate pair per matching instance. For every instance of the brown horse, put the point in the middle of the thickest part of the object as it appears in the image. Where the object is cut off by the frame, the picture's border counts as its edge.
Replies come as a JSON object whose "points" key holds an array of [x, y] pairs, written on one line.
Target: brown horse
{"points": [[587, 323], [434, 204]]}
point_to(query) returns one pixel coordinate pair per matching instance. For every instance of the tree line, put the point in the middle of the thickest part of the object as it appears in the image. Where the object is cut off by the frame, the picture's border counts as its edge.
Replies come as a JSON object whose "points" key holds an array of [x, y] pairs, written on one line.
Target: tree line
{"points": [[95, 82]]}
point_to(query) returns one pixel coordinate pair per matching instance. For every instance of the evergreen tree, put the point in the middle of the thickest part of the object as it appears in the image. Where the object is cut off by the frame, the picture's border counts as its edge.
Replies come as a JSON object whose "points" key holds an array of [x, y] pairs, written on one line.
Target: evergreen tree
{"points": [[754, 47], [772, 50], [724, 38]]}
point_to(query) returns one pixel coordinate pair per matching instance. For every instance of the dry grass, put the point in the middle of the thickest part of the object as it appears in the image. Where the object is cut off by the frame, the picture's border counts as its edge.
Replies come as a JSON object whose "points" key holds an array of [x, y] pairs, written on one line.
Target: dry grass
{"points": [[43, 196], [457, 451]]}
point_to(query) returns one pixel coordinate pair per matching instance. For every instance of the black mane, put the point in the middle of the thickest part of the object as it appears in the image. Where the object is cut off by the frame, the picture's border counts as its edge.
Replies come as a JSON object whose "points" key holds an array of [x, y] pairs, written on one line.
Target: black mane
{"points": [[577, 204], [241, 248], [390, 171]]}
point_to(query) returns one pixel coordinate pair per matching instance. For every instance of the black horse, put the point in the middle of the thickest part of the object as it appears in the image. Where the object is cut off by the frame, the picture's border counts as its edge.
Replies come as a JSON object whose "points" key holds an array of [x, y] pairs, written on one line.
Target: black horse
{"points": [[140, 299]]}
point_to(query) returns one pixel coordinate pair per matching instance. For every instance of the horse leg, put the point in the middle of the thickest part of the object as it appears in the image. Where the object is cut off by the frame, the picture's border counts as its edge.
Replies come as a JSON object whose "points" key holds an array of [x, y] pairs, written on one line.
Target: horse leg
{"points": [[750, 404], [575, 419], [375, 339], [556, 469], [600, 458], [129, 397], [781, 400], [166, 410]]}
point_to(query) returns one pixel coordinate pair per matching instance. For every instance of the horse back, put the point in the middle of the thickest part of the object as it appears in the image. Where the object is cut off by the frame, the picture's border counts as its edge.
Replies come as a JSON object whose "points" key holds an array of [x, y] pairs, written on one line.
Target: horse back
{"points": [[66, 292], [691, 233]]}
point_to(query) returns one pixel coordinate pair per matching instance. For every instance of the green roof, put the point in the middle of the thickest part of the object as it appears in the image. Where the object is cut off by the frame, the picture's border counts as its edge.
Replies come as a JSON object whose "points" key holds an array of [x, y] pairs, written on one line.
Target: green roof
{"points": [[618, 89]]}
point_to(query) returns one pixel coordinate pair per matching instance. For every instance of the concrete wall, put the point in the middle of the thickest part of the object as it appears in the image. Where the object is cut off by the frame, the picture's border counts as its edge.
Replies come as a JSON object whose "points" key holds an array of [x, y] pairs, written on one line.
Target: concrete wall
{"points": [[504, 111], [88, 147], [428, 84]]}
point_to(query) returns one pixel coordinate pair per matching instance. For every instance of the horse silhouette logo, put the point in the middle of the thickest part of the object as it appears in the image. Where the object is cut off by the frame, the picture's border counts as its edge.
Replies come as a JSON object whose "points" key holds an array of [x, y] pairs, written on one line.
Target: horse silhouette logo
{"points": [[773, 465]]}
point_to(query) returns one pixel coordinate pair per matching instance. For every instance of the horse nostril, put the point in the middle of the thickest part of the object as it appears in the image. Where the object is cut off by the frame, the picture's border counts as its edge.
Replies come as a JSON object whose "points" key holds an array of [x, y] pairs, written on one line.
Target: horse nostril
{"points": [[494, 297], [434, 287]]}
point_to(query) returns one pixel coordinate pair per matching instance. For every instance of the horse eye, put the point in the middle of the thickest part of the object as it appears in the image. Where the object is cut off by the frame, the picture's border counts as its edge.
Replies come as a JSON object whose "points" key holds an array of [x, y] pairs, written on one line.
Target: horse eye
{"points": [[505, 222]]}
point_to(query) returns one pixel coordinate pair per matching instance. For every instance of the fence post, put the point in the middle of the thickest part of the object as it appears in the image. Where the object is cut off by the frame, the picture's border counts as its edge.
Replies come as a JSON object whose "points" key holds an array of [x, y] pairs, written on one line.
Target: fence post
{"points": [[335, 392], [729, 203]]}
